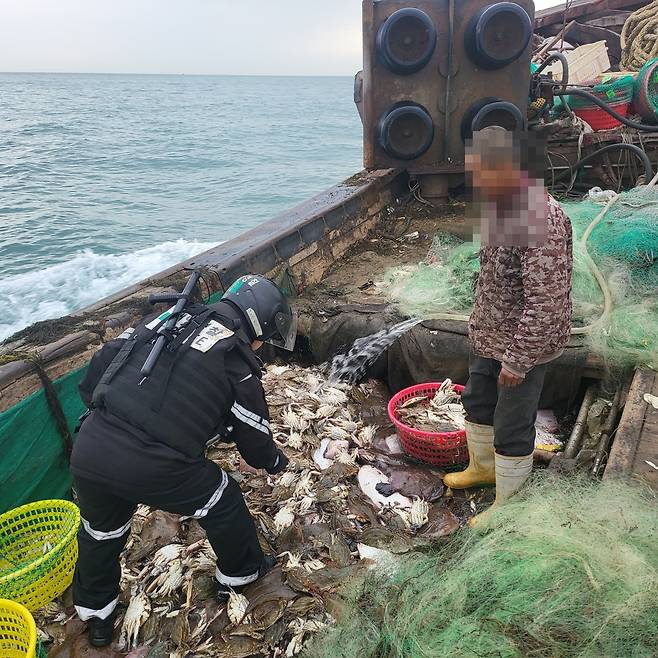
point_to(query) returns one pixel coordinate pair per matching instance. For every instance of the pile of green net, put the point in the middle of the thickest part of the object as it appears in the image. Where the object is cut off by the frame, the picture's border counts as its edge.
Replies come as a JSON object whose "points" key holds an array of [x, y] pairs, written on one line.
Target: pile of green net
{"points": [[568, 568], [624, 246]]}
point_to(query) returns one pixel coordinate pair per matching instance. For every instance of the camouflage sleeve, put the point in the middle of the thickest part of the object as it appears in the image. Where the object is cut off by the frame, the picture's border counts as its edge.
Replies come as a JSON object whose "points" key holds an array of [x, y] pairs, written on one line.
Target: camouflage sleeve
{"points": [[545, 273]]}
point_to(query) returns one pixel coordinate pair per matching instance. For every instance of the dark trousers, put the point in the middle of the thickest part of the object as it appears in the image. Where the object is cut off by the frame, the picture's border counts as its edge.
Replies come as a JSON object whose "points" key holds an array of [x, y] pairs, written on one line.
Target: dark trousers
{"points": [[213, 498], [511, 410]]}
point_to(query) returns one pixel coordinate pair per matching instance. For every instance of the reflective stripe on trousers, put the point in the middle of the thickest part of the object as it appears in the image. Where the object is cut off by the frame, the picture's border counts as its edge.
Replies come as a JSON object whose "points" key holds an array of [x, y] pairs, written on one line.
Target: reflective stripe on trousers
{"points": [[98, 535], [235, 581], [87, 613]]}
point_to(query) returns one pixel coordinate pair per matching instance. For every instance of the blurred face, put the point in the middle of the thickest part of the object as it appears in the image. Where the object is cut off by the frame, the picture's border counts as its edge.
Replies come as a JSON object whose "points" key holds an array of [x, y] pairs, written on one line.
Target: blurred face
{"points": [[508, 208], [493, 181]]}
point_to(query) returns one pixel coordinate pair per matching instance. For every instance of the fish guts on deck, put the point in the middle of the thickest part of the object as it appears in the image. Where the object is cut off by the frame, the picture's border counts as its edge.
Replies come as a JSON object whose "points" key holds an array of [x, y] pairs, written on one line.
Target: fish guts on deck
{"points": [[145, 439], [522, 315]]}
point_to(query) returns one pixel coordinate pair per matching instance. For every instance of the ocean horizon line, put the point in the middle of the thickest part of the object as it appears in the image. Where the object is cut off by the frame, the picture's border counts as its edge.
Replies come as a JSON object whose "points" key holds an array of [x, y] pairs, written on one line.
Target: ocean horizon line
{"points": [[191, 75]]}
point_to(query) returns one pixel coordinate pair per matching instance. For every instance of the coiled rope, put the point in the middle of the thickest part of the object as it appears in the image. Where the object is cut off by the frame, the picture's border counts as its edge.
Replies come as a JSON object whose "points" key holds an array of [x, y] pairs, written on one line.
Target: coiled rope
{"points": [[639, 37]]}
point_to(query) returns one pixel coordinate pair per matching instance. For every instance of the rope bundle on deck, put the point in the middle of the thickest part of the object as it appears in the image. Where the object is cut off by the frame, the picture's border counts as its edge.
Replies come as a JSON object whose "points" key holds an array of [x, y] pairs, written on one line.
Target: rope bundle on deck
{"points": [[639, 37]]}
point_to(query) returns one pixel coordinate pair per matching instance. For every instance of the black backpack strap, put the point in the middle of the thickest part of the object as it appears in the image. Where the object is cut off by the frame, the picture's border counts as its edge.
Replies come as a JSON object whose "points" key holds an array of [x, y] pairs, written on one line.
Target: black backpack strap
{"points": [[137, 339]]}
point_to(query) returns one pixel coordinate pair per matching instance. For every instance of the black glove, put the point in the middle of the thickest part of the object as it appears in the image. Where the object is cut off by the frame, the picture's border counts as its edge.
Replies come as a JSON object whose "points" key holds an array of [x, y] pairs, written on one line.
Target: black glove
{"points": [[280, 464]]}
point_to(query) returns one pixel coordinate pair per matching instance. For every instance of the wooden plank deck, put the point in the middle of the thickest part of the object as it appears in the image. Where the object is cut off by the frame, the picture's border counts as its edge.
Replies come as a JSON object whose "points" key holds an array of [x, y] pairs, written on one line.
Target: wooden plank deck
{"points": [[636, 443]]}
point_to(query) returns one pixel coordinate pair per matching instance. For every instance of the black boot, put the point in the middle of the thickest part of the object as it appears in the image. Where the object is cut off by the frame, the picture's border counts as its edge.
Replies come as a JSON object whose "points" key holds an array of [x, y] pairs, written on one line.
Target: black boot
{"points": [[99, 631], [223, 591]]}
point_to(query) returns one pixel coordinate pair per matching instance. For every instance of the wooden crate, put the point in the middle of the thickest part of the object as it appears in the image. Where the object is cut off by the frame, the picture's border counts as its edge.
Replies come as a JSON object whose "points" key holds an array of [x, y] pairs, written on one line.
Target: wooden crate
{"points": [[585, 63]]}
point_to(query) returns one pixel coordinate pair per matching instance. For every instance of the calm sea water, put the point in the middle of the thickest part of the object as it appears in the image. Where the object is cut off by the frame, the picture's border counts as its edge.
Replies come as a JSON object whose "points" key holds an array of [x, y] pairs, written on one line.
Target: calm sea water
{"points": [[106, 179]]}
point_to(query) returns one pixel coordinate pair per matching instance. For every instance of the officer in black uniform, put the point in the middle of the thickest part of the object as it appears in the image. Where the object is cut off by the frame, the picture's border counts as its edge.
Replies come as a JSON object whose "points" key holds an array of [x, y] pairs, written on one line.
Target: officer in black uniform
{"points": [[145, 439]]}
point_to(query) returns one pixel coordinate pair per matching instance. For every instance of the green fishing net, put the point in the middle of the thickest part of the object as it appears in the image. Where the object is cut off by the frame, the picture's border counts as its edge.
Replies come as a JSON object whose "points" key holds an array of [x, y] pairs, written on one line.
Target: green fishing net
{"points": [[624, 246], [445, 282], [628, 234], [568, 568]]}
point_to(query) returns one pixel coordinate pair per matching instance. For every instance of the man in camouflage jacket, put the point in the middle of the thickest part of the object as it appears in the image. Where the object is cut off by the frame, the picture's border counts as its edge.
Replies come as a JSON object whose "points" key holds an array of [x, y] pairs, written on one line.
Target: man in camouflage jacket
{"points": [[522, 315]]}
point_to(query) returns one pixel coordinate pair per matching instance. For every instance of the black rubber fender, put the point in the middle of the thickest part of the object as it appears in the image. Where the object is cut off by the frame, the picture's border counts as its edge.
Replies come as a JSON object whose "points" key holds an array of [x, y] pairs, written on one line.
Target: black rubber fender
{"points": [[475, 118], [414, 21], [489, 40], [393, 119]]}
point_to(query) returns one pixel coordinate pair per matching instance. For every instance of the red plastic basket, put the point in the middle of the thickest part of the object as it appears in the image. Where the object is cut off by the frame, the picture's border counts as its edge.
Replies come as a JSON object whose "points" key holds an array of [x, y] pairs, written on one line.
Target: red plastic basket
{"points": [[599, 119], [437, 448]]}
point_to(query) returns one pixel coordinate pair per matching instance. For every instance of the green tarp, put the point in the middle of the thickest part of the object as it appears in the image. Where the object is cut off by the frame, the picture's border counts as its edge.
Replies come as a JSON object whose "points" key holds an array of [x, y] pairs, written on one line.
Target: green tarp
{"points": [[33, 461]]}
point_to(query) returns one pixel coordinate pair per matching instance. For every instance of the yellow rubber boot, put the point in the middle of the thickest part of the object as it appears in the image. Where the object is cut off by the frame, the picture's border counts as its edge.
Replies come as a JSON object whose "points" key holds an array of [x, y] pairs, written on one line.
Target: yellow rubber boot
{"points": [[511, 474], [481, 469]]}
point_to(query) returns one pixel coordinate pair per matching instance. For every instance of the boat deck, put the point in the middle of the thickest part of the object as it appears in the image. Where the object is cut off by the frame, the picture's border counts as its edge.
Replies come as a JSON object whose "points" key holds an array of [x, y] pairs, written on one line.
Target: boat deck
{"points": [[635, 450], [348, 295]]}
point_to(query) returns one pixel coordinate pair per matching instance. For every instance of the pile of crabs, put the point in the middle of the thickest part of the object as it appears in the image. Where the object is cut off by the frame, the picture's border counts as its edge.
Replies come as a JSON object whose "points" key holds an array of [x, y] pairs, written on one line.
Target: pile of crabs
{"points": [[349, 501]]}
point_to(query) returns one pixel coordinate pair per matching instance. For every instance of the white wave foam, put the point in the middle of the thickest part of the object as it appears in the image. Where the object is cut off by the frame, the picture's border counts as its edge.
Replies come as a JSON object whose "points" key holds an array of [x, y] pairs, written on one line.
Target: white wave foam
{"points": [[83, 280]]}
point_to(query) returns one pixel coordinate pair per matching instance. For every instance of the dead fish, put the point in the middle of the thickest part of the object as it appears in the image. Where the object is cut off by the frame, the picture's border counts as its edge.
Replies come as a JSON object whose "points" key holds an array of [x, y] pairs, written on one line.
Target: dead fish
{"points": [[441, 522], [412, 481], [334, 448], [319, 455], [328, 451], [368, 478], [389, 446]]}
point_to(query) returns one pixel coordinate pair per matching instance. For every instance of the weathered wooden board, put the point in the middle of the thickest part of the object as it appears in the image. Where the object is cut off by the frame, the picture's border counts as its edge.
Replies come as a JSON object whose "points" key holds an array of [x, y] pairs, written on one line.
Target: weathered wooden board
{"points": [[637, 435]]}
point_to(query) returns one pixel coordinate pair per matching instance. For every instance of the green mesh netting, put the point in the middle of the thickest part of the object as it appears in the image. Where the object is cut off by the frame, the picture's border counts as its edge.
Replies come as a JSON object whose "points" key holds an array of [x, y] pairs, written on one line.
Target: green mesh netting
{"points": [[628, 234], [608, 88], [624, 246], [569, 568], [34, 465], [444, 282]]}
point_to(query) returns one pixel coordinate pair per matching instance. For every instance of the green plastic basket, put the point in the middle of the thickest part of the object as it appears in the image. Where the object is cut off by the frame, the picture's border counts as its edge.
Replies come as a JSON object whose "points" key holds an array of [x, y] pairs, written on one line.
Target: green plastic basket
{"points": [[38, 551], [610, 89]]}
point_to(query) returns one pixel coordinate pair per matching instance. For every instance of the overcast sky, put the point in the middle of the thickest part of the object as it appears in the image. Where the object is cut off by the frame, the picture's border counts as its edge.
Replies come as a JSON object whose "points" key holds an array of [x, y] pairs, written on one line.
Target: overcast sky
{"points": [[285, 37]]}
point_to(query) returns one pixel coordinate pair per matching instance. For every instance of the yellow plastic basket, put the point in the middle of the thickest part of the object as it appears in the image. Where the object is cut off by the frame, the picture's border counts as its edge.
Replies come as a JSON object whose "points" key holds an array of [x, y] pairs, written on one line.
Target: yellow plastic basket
{"points": [[18, 632], [38, 551]]}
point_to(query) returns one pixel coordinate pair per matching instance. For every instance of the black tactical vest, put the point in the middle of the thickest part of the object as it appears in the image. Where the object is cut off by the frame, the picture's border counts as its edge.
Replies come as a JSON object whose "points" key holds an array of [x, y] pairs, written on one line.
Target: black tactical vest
{"points": [[183, 400]]}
